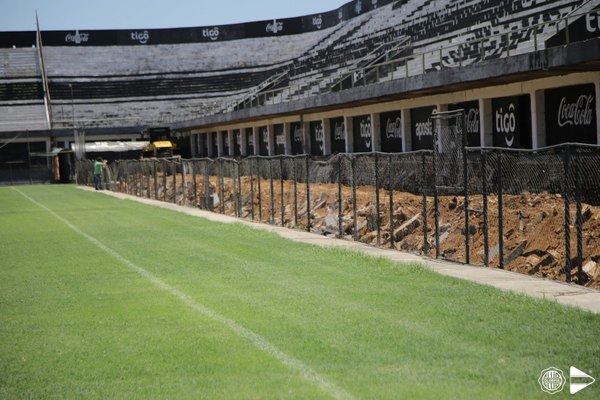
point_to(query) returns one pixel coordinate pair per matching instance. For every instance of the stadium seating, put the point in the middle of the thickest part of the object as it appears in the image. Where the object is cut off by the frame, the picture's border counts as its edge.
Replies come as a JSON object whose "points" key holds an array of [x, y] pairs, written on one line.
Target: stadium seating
{"points": [[152, 84]]}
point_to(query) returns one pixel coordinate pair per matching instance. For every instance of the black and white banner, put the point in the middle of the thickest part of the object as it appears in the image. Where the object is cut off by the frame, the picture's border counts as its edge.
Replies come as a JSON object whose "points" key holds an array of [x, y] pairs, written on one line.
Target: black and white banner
{"points": [[571, 115]]}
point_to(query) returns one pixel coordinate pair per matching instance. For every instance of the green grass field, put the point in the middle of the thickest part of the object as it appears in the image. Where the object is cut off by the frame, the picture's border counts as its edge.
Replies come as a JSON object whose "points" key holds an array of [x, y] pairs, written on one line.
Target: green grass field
{"points": [[105, 298]]}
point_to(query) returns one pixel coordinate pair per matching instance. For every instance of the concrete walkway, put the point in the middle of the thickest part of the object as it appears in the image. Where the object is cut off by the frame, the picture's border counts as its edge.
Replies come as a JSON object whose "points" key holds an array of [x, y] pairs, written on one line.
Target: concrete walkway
{"points": [[571, 295]]}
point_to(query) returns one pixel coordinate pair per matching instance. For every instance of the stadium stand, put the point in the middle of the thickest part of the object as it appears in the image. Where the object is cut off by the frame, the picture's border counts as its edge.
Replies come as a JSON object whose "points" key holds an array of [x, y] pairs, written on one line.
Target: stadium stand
{"points": [[113, 86]]}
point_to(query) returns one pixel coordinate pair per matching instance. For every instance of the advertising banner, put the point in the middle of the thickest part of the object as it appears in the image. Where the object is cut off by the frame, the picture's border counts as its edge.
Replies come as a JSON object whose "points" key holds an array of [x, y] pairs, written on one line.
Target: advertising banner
{"points": [[511, 123], [338, 135], [279, 139], [571, 115], [215, 144], [471, 121], [237, 143], [391, 131], [362, 132], [297, 138], [250, 142], [316, 138], [421, 126], [263, 141]]}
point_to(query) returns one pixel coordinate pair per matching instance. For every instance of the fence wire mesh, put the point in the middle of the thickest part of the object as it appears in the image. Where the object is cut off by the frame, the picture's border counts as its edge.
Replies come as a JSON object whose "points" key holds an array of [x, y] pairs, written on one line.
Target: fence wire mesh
{"points": [[535, 212]]}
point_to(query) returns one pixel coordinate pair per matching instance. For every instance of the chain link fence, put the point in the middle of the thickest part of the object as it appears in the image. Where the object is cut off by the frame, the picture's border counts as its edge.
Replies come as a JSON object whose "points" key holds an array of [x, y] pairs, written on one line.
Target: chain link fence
{"points": [[535, 212]]}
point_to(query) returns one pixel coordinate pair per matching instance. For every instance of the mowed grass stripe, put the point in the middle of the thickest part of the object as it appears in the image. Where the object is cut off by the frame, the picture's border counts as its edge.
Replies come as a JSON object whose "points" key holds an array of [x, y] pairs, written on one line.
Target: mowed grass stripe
{"points": [[377, 329], [290, 362]]}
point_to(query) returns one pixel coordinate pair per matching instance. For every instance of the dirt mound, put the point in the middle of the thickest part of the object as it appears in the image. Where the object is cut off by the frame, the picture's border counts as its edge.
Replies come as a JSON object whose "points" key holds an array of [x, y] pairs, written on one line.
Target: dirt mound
{"points": [[533, 224]]}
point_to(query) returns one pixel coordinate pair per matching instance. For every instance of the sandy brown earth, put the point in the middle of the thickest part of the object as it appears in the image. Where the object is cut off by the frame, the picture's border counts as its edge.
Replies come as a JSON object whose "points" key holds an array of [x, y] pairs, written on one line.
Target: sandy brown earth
{"points": [[533, 224]]}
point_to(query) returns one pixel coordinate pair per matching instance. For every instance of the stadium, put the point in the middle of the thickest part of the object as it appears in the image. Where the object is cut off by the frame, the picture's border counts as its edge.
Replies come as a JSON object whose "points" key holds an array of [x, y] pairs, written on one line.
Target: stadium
{"points": [[459, 130]]}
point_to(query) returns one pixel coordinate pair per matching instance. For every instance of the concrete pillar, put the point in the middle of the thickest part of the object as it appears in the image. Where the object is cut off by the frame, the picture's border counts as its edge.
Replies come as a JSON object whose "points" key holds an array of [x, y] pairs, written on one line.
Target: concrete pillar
{"points": [[287, 133], [406, 130], [486, 121], [255, 136], [243, 138], [231, 143], [209, 144], [271, 141], [375, 132], [306, 137], [538, 119], [326, 136], [349, 127]]}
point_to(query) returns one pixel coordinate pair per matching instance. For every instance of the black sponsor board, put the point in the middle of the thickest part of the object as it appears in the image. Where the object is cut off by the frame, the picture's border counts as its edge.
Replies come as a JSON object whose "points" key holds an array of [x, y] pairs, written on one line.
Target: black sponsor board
{"points": [[263, 141], [582, 28], [237, 142], [297, 137], [338, 135], [571, 115], [421, 126], [279, 139], [362, 133], [316, 138], [122, 37], [250, 141], [471, 121], [511, 122], [225, 143], [215, 143], [391, 131], [202, 146]]}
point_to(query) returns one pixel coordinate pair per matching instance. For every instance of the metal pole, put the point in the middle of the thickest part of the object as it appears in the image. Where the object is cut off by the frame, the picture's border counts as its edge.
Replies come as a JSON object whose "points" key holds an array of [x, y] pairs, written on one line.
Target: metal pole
{"points": [[579, 220], [194, 184], [308, 193], [221, 187], [259, 176], [354, 215], [272, 200], [466, 189], [567, 227], [239, 192], [155, 176], [500, 215], [391, 193], [282, 190], [295, 192], [377, 199], [340, 227], [424, 202], [252, 190], [486, 244], [174, 172]]}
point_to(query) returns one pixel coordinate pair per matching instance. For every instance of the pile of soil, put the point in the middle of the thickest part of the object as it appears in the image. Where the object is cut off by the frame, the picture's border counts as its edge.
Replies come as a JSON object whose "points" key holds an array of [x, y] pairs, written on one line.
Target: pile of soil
{"points": [[533, 223]]}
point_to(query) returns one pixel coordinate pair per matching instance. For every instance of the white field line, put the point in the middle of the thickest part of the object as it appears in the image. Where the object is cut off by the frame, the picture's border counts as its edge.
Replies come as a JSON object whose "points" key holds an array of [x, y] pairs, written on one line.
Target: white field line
{"points": [[258, 341]]}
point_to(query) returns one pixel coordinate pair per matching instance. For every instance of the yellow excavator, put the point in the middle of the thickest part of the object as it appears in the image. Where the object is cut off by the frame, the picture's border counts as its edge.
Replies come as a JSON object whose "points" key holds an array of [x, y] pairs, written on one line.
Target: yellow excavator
{"points": [[160, 145]]}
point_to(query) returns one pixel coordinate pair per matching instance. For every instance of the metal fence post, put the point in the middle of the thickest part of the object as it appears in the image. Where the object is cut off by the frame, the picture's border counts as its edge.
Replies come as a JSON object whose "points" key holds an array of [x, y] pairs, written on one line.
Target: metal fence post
{"points": [[239, 192], [486, 245], [354, 212], [221, 187], [174, 172], [295, 192], [259, 177], [147, 171], [155, 175], [194, 184], [340, 223], [282, 190], [251, 190], [207, 187], [500, 215], [579, 219], [272, 197], [377, 199], [424, 202], [391, 194], [308, 193], [567, 227]]}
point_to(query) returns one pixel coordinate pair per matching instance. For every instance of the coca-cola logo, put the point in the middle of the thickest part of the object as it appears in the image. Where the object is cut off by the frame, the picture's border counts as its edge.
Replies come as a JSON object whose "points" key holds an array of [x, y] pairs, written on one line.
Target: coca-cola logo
{"points": [[365, 131], [579, 113], [77, 37], [506, 123], [393, 128], [592, 22], [141, 37], [317, 21], [339, 131], [472, 121], [274, 27], [211, 33], [319, 136], [423, 129]]}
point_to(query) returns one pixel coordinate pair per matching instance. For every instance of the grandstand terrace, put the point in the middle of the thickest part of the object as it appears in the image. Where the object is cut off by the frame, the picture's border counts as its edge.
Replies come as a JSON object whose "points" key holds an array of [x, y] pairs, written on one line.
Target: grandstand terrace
{"points": [[225, 84]]}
